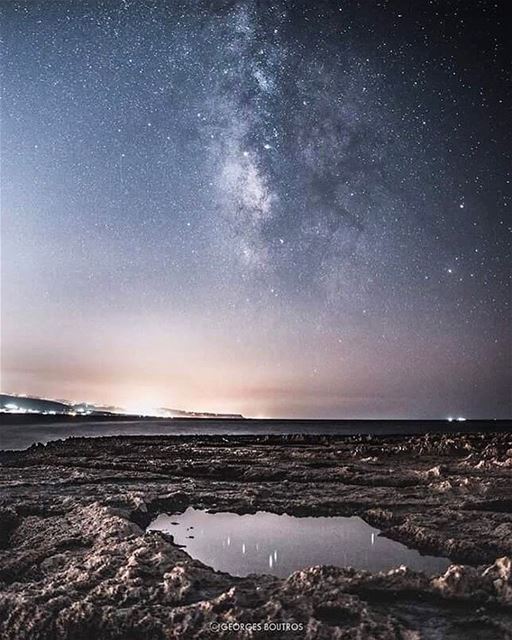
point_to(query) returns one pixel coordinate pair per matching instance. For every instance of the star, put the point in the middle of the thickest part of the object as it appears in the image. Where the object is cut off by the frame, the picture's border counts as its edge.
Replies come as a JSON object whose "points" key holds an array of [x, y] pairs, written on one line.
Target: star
{"points": [[191, 190]]}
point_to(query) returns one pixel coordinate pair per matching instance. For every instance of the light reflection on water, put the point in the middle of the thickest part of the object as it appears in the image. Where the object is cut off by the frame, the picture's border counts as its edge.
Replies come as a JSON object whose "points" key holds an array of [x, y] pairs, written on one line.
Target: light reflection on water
{"points": [[280, 544]]}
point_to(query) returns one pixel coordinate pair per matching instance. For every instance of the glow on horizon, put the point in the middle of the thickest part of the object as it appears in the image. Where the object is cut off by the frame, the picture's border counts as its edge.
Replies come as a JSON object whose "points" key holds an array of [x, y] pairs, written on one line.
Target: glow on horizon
{"points": [[150, 411]]}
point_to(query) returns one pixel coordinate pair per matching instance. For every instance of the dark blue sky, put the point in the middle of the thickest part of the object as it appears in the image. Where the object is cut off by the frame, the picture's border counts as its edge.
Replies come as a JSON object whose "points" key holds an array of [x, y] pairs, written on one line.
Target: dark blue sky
{"points": [[271, 208]]}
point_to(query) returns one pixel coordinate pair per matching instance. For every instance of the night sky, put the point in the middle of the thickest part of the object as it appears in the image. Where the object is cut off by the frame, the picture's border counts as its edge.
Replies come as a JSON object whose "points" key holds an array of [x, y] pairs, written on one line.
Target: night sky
{"points": [[273, 208]]}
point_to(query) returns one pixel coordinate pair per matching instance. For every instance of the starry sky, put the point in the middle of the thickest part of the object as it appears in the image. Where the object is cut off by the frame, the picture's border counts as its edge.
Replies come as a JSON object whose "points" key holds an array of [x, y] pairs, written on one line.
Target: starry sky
{"points": [[272, 208]]}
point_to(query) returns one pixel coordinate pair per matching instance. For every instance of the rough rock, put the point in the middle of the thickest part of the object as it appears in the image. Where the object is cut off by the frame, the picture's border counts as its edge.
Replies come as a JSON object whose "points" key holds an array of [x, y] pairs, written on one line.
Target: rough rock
{"points": [[76, 562]]}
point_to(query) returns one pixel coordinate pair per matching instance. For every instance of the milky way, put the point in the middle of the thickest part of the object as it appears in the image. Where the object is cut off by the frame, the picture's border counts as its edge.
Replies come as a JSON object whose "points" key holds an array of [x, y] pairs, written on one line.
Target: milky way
{"points": [[274, 208]]}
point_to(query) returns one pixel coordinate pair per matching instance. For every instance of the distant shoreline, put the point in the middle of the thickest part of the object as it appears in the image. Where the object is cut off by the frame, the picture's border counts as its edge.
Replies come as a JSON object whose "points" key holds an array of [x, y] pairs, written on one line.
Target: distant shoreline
{"points": [[45, 418]]}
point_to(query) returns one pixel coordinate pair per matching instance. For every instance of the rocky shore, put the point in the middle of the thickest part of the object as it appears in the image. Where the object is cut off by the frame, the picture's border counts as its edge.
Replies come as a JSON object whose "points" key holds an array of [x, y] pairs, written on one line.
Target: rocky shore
{"points": [[76, 563]]}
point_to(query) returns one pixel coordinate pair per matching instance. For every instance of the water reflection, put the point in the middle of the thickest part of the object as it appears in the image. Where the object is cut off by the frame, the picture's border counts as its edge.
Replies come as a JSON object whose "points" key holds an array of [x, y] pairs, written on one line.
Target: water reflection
{"points": [[280, 544]]}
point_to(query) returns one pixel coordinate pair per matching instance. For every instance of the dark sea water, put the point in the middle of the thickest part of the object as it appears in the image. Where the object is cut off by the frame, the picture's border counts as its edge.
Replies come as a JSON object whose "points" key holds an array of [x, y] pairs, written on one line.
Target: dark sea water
{"points": [[281, 544], [23, 435]]}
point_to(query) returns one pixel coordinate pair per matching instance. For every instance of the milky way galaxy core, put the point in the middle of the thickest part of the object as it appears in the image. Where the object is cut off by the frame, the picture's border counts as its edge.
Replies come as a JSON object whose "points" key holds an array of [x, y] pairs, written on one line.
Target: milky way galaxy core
{"points": [[270, 208]]}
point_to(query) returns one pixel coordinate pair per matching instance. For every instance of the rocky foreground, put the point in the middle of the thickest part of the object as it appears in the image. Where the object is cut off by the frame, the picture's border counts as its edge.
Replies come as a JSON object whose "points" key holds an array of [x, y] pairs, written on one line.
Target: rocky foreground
{"points": [[76, 564]]}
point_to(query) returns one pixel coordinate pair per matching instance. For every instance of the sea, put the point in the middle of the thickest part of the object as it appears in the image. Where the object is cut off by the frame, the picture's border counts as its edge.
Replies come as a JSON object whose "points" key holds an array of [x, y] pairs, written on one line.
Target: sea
{"points": [[20, 435]]}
